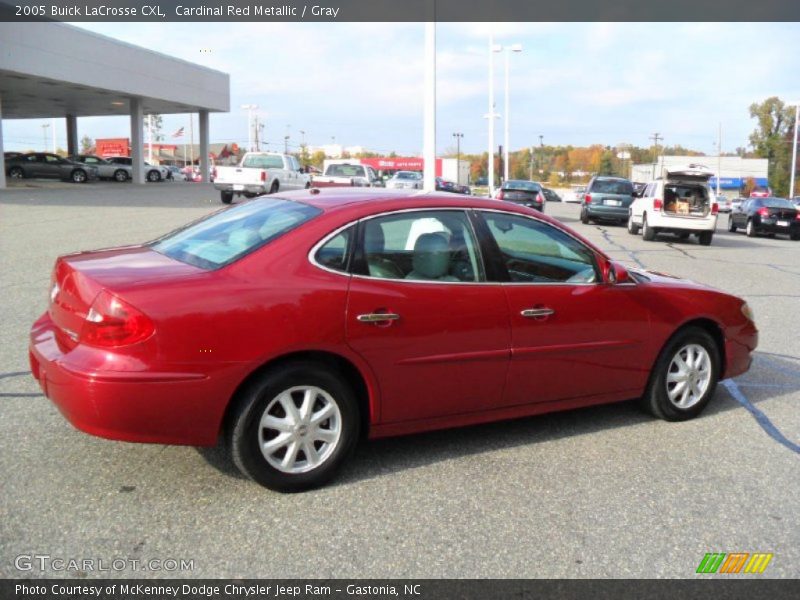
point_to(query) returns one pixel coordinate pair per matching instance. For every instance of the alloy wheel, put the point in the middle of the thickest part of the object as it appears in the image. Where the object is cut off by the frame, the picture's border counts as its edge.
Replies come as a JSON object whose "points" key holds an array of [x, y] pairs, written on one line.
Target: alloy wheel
{"points": [[300, 429], [688, 376]]}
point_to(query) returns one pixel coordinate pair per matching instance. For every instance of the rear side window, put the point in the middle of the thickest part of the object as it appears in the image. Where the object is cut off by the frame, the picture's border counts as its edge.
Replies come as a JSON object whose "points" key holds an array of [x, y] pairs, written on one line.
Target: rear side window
{"points": [[609, 186], [345, 171], [230, 234], [335, 252]]}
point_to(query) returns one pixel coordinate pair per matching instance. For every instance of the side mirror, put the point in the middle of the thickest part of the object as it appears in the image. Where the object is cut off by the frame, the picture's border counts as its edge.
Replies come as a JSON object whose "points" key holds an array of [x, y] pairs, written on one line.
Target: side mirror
{"points": [[614, 273]]}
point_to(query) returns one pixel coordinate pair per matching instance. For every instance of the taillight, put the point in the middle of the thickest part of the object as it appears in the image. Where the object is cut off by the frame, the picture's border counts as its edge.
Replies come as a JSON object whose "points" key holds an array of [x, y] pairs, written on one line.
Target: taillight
{"points": [[214, 172], [714, 208], [263, 175], [797, 215], [587, 198], [540, 198], [500, 195], [112, 322], [763, 211], [658, 204]]}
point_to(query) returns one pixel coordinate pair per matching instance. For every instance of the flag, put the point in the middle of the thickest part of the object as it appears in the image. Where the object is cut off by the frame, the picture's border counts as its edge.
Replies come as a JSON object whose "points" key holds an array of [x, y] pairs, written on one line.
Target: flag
{"points": [[178, 133]]}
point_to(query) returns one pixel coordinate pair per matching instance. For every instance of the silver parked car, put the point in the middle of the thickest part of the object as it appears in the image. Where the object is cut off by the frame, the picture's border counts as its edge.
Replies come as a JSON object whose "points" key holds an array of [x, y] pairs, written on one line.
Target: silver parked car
{"points": [[405, 180], [105, 169], [151, 172]]}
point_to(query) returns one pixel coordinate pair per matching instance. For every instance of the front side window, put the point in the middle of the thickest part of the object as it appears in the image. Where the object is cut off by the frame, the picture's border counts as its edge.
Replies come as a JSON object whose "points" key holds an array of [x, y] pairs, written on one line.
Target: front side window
{"points": [[535, 252], [422, 246], [230, 234]]}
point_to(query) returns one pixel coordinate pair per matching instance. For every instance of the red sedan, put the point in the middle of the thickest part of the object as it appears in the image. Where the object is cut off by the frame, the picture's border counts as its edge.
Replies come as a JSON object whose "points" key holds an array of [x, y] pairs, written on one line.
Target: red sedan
{"points": [[293, 324]]}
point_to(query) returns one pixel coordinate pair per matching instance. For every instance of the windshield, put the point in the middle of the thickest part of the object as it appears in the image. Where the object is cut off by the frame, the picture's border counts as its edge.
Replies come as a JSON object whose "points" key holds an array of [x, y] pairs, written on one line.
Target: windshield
{"points": [[407, 175], [527, 186], [230, 234], [609, 186]]}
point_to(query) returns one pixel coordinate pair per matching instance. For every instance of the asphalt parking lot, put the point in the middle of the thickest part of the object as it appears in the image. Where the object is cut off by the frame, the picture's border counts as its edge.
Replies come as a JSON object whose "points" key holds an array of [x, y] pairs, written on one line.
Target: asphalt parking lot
{"points": [[600, 492]]}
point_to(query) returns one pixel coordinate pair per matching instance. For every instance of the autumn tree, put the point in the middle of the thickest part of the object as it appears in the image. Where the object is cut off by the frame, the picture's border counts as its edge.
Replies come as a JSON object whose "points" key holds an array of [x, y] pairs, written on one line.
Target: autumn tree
{"points": [[87, 144]]}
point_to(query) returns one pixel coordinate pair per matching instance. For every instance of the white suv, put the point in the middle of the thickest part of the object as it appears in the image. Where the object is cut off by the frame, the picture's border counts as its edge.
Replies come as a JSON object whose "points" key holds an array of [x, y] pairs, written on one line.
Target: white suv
{"points": [[680, 203]]}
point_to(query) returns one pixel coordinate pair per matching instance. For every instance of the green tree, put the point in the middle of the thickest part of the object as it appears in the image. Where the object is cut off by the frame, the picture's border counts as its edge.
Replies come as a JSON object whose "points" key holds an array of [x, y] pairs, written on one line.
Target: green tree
{"points": [[774, 123], [318, 158], [87, 144], [606, 165]]}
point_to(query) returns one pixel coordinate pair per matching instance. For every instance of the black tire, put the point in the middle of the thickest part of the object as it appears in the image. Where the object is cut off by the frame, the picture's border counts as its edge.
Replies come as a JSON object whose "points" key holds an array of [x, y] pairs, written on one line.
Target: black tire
{"points": [[795, 237], [584, 217], [731, 225], [78, 176], [705, 237], [226, 197], [16, 173], [633, 228], [750, 230], [656, 399], [274, 188], [121, 175], [153, 176], [648, 233], [244, 431]]}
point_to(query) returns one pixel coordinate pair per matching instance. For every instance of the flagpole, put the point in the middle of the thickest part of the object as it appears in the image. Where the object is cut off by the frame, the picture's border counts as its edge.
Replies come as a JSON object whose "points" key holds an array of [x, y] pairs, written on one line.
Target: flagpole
{"points": [[191, 136]]}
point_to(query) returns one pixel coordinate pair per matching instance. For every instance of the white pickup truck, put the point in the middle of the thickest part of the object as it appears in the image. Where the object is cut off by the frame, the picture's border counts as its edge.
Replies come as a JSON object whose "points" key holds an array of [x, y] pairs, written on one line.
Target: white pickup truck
{"points": [[260, 173]]}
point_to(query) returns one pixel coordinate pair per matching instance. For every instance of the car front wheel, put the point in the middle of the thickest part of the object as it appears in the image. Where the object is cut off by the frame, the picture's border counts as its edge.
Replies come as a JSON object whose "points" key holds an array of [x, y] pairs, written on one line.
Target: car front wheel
{"points": [[16, 173], [731, 225], [684, 377], [79, 176], [153, 176], [121, 175], [293, 428]]}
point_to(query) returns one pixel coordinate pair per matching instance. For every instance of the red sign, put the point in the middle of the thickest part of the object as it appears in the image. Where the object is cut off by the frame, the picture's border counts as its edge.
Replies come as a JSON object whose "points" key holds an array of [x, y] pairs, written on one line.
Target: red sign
{"points": [[113, 147], [399, 163]]}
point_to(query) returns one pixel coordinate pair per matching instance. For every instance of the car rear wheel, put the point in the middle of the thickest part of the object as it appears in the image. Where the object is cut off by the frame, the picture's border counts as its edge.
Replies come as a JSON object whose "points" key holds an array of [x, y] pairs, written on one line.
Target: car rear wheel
{"points": [[121, 175], [731, 225], [795, 237], [684, 377], [16, 173], [78, 176], [153, 176], [750, 230], [584, 217], [648, 233], [226, 197], [705, 237], [274, 188], [293, 427]]}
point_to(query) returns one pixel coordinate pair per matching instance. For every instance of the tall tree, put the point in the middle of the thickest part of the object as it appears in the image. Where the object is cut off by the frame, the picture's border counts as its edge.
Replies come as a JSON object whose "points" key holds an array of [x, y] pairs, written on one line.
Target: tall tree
{"points": [[87, 144], [774, 122]]}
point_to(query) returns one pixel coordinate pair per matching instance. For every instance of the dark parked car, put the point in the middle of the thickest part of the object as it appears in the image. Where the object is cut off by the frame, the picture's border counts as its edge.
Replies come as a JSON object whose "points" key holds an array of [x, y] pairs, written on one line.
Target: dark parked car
{"points": [[550, 195], [443, 185], [482, 181], [526, 193], [766, 215], [49, 166], [608, 199]]}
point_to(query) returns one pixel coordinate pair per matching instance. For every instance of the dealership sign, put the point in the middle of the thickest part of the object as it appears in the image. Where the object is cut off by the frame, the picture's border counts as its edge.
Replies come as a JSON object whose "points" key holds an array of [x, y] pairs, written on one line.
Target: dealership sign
{"points": [[399, 163]]}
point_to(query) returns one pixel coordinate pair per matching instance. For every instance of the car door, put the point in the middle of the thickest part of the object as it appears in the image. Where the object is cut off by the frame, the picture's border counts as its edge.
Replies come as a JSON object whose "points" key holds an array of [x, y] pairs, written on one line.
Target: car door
{"points": [[422, 314], [572, 334], [36, 166]]}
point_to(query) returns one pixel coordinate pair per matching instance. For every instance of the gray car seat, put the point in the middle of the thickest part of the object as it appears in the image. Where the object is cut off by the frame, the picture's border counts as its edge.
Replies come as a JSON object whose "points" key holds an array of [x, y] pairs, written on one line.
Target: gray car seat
{"points": [[377, 264], [431, 259]]}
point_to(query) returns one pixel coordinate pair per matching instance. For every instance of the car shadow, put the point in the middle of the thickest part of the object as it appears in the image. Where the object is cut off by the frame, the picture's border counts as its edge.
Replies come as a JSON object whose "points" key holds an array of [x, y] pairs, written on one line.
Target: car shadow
{"points": [[771, 375]]}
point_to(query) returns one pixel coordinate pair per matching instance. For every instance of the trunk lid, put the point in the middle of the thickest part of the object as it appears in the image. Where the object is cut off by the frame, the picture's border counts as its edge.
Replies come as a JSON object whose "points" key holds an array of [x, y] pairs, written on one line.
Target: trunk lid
{"points": [[692, 172], [79, 278]]}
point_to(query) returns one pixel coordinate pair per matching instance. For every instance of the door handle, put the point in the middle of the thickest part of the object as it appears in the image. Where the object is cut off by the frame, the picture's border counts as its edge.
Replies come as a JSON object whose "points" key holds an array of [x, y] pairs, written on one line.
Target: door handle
{"points": [[537, 313], [377, 317]]}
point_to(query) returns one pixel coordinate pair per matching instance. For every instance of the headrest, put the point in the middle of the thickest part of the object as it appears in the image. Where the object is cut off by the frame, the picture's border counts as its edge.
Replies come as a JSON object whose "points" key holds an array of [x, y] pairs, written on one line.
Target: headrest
{"points": [[373, 239], [431, 255]]}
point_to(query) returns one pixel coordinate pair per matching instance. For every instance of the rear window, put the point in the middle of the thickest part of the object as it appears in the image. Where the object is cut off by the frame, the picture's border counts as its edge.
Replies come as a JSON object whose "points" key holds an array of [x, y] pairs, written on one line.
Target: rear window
{"points": [[609, 186], [230, 234], [777, 203], [263, 161], [345, 171], [524, 186], [407, 175]]}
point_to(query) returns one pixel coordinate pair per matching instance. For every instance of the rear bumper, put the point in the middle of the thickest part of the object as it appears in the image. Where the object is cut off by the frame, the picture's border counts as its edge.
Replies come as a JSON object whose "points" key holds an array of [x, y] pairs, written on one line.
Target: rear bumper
{"points": [[771, 226], [240, 189], [155, 406], [673, 222], [601, 211]]}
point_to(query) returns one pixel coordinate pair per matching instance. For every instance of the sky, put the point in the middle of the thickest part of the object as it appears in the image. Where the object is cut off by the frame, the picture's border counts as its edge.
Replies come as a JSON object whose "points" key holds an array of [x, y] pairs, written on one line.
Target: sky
{"points": [[573, 83]]}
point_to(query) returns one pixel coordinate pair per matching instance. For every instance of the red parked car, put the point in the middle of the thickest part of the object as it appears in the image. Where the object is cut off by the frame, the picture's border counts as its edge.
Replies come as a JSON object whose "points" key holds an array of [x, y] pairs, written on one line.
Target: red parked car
{"points": [[293, 324]]}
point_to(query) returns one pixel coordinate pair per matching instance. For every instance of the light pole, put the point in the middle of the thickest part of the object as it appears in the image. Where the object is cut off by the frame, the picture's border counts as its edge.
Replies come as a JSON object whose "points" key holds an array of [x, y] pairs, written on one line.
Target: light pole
{"points": [[429, 109], [458, 137], [286, 144], [44, 134], [509, 50], [794, 147], [249, 108], [491, 115]]}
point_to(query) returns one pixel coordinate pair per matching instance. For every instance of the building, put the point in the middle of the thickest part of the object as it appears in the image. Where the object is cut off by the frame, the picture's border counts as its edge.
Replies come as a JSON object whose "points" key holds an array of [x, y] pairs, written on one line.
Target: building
{"points": [[336, 150], [54, 70], [733, 170]]}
